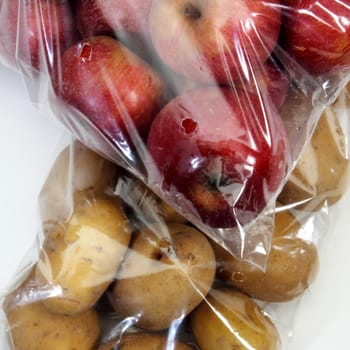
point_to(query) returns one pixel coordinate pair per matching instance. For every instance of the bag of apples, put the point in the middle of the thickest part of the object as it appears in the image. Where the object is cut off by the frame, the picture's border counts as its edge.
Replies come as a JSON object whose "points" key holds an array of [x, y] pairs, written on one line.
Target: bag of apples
{"points": [[116, 267], [208, 103]]}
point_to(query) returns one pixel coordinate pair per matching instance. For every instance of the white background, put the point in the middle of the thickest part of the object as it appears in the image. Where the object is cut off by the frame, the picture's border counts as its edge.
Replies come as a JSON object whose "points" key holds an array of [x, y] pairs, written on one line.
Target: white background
{"points": [[29, 142]]}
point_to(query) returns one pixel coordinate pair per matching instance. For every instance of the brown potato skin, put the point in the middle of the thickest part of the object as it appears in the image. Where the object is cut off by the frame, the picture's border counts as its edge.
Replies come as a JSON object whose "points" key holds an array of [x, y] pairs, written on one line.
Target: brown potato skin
{"points": [[33, 327], [163, 280], [321, 175], [246, 326], [76, 170], [79, 260], [291, 266], [286, 224], [171, 215], [142, 341]]}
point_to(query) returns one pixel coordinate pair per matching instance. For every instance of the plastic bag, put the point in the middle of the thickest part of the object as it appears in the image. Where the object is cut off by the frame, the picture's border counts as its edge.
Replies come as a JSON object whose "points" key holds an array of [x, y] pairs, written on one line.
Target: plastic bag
{"points": [[115, 266], [99, 226], [189, 98]]}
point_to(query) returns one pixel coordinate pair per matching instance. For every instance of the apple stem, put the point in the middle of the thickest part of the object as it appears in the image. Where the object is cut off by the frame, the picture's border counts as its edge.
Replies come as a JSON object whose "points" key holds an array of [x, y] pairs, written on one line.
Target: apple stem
{"points": [[192, 11]]}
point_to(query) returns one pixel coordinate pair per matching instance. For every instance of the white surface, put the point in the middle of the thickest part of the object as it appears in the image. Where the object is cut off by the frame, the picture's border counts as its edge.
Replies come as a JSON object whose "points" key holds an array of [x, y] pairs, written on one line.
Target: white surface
{"points": [[323, 317], [28, 144]]}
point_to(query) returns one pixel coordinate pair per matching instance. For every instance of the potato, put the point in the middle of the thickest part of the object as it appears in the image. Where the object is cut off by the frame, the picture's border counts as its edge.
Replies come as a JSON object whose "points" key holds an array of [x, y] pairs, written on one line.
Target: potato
{"points": [[76, 169], [148, 206], [170, 215], [231, 320], [291, 265], [143, 341], [33, 327], [285, 223], [321, 174], [163, 277], [291, 268], [79, 259]]}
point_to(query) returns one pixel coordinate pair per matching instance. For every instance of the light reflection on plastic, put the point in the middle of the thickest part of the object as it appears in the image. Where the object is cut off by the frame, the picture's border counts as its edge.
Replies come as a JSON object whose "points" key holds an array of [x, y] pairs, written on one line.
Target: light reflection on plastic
{"points": [[232, 330], [34, 295], [251, 161], [123, 326], [195, 162], [343, 22], [172, 333], [241, 57]]}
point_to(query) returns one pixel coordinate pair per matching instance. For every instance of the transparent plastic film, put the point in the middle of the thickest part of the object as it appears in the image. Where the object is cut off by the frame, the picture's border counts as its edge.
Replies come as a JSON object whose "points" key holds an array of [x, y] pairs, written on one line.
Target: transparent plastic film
{"points": [[33, 35], [208, 103], [117, 267], [320, 176]]}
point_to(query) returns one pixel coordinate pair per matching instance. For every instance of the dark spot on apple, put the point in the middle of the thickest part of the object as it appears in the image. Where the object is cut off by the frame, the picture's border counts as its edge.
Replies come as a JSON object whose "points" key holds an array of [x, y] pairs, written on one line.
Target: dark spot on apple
{"points": [[192, 12], [189, 126], [85, 51]]}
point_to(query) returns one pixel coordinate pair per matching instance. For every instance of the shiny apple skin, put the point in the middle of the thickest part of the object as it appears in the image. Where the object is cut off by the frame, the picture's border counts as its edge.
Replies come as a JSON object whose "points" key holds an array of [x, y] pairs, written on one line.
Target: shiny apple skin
{"points": [[219, 153], [34, 33], [113, 17], [276, 81], [111, 86], [316, 33], [270, 80], [214, 40], [90, 19]]}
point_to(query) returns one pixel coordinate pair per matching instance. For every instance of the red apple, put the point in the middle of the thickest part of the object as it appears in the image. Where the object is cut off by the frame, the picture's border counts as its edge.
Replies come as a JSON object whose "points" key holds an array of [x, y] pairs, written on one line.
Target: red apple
{"points": [[316, 33], [276, 81], [178, 84], [268, 80], [220, 154], [35, 32], [126, 19], [214, 40], [111, 86]]}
